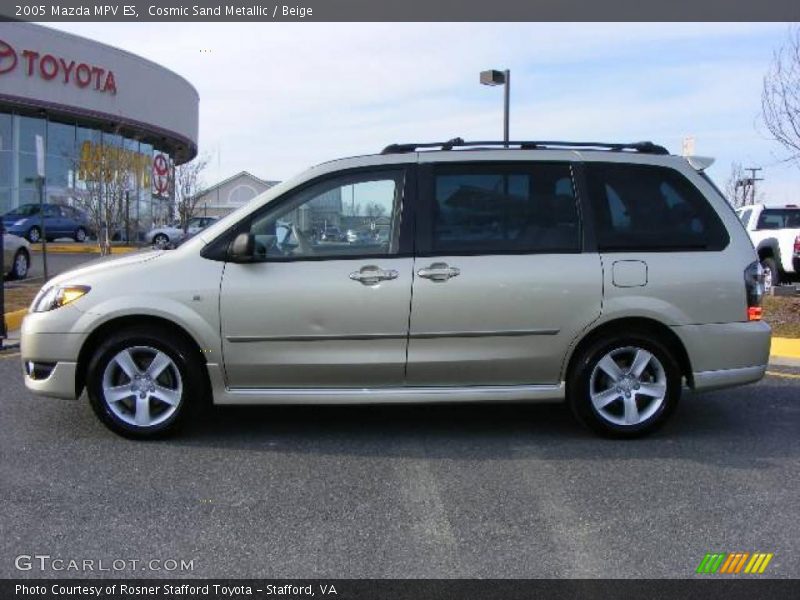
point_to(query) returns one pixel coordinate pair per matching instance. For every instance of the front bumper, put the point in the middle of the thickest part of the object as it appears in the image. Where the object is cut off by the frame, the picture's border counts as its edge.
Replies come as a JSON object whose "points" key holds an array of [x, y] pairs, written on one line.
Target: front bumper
{"points": [[60, 383], [40, 345]]}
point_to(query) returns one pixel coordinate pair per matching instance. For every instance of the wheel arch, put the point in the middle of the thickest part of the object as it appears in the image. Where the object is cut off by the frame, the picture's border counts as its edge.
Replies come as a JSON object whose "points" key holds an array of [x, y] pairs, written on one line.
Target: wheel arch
{"points": [[102, 331], [642, 325], [769, 248]]}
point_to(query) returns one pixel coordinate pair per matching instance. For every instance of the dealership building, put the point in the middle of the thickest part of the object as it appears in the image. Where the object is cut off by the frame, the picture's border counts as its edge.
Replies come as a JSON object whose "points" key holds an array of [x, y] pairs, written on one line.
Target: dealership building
{"points": [[105, 121]]}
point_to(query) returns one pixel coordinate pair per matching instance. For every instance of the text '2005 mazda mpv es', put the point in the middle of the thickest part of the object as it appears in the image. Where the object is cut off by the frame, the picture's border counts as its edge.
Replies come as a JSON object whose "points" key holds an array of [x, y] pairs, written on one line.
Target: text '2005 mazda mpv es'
{"points": [[604, 275]]}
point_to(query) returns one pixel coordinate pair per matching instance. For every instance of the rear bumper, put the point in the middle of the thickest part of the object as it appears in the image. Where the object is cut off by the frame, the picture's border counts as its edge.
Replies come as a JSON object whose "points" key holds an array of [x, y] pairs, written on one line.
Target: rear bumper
{"points": [[726, 354], [723, 378]]}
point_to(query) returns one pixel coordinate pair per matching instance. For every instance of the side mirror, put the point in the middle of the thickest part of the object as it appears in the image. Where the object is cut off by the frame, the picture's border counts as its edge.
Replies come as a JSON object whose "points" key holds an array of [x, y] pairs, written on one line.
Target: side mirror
{"points": [[242, 248]]}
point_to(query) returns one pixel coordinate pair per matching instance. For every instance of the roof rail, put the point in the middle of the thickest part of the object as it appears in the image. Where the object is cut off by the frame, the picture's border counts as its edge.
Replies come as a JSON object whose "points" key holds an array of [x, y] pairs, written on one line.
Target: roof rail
{"points": [[643, 147]]}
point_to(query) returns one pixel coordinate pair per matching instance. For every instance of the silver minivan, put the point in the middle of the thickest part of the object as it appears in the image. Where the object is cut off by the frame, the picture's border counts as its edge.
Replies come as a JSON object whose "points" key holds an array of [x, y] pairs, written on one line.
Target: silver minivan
{"points": [[608, 276]]}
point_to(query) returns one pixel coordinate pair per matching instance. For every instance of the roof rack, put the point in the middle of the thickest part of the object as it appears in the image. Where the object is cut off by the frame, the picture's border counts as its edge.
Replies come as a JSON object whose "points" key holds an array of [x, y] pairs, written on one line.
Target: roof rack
{"points": [[643, 147]]}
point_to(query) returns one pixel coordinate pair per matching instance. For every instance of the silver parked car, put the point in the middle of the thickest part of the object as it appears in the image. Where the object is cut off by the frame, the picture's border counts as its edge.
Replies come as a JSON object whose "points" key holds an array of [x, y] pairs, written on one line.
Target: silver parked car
{"points": [[171, 235], [16, 257], [608, 276]]}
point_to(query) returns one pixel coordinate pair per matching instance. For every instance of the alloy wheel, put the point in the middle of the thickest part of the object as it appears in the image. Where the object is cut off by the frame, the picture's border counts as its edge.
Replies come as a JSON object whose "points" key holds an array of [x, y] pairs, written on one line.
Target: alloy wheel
{"points": [[21, 265], [142, 386], [628, 385]]}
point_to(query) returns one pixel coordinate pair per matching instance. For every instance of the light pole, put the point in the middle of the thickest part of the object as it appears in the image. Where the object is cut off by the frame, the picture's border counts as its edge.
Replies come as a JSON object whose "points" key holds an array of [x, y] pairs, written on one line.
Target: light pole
{"points": [[493, 78]]}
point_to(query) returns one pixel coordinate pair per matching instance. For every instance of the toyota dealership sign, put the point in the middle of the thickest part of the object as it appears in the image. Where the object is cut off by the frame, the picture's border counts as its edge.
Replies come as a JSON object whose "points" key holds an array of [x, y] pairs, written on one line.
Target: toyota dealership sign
{"points": [[49, 67]]}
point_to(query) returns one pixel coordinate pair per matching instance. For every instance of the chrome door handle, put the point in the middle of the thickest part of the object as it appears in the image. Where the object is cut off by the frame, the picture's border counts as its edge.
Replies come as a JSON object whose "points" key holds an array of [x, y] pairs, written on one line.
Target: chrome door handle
{"points": [[439, 272], [372, 275]]}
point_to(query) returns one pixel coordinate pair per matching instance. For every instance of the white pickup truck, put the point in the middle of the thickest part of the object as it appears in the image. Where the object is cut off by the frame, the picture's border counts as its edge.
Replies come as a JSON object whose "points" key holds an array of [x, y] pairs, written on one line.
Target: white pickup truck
{"points": [[775, 233]]}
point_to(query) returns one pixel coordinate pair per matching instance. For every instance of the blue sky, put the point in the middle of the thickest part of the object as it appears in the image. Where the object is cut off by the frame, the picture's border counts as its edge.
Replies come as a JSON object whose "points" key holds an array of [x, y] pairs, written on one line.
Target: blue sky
{"points": [[278, 97]]}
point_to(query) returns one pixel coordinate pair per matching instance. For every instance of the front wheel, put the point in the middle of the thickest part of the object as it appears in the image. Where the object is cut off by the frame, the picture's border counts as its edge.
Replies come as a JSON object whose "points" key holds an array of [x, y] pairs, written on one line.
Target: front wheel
{"points": [[140, 382], [161, 241], [624, 386], [80, 235], [21, 265]]}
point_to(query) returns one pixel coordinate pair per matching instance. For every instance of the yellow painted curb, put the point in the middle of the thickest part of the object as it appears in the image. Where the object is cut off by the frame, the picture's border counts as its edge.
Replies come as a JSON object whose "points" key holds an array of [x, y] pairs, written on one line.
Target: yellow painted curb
{"points": [[785, 347], [14, 318], [82, 249]]}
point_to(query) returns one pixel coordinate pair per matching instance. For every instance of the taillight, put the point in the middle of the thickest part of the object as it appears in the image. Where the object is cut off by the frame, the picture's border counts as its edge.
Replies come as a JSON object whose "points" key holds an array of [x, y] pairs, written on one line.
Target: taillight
{"points": [[754, 288], [754, 313], [797, 245]]}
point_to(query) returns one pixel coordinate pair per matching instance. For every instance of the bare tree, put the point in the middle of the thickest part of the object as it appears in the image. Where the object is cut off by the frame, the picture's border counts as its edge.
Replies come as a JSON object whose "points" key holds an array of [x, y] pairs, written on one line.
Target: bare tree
{"points": [[780, 97], [188, 184], [734, 192], [107, 173], [375, 210]]}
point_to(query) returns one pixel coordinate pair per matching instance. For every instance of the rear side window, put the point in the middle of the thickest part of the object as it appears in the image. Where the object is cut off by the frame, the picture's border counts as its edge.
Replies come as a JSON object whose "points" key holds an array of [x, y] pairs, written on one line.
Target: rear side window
{"points": [[779, 218], [649, 208], [487, 209]]}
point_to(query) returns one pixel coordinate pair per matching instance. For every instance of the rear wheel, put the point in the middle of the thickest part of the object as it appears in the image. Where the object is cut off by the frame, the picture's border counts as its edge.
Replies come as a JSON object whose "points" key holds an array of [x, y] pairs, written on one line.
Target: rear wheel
{"points": [[624, 385], [160, 241], [140, 382], [34, 234], [772, 275], [80, 235]]}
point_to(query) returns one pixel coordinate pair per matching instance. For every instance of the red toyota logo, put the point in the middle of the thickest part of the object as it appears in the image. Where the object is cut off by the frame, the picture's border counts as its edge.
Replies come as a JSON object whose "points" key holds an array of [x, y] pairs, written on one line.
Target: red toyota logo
{"points": [[8, 57], [160, 174]]}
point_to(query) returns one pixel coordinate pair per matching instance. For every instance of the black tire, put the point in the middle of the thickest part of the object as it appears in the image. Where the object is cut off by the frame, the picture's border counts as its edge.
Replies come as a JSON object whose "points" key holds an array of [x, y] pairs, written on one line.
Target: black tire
{"points": [[770, 265], [185, 358], [80, 235], [16, 271], [34, 235], [579, 381]]}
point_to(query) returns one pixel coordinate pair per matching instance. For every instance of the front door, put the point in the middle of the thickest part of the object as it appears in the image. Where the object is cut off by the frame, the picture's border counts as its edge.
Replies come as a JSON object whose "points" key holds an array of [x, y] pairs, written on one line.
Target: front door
{"points": [[502, 286], [315, 311]]}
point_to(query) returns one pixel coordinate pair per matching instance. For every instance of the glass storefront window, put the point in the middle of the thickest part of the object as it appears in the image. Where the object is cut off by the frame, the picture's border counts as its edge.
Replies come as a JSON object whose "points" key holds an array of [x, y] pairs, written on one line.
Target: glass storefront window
{"points": [[5, 200], [74, 157], [5, 133], [6, 166], [59, 171], [60, 139], [27, 170], [29, 128]]}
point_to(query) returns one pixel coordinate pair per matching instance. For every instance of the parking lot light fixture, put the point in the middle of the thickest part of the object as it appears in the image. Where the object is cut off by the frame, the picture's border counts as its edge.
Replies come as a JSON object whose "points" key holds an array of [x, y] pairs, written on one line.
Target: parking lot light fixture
{"points": [[494, 77]]}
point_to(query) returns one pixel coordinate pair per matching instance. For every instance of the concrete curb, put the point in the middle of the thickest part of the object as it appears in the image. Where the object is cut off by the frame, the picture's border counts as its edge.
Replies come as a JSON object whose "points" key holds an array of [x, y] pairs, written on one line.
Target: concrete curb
{"points": [[785, 348], [14, 318], [81, 249]]}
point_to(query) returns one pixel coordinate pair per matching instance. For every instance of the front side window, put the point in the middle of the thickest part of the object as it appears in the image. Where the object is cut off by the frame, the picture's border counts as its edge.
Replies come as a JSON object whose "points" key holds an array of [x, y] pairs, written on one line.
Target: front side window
{"points": [[504, 209], [649, 208], [350, 216]]}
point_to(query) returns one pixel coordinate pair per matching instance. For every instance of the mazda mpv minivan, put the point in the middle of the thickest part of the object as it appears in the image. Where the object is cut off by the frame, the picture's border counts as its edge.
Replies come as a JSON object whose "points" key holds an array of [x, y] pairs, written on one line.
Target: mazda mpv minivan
{"points": [[608, 276]]}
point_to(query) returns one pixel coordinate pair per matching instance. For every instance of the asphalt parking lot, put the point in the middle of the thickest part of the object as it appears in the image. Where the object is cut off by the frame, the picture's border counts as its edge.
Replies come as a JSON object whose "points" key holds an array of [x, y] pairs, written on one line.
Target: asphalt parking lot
{"points": [[404, 491]]}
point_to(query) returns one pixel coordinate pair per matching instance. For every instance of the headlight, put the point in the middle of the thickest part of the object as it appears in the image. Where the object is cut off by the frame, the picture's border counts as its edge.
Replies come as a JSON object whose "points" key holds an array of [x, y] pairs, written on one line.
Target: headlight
{"points": [[19, 223], [57, 296]]}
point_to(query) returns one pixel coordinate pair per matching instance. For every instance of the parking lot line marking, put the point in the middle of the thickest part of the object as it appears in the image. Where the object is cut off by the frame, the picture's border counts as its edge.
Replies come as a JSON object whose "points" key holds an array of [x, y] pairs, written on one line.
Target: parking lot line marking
{"points": [[787, 375], [9, 355]]}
